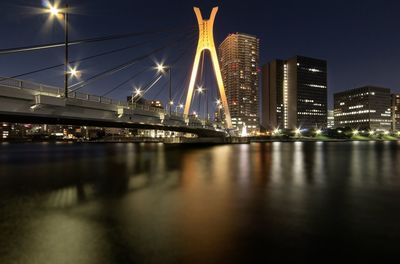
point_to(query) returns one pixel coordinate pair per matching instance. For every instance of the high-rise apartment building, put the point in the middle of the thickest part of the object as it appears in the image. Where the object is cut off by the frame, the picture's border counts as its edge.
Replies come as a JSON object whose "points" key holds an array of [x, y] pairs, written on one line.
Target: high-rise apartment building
{"points": [[367, 107], [239, 57], [396, 112], [294, 93]]}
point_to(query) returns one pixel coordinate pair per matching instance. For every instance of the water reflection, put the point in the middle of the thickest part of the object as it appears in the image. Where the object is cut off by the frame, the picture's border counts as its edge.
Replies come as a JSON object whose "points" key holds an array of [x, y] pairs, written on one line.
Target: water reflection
{"points": [[119, 203]]}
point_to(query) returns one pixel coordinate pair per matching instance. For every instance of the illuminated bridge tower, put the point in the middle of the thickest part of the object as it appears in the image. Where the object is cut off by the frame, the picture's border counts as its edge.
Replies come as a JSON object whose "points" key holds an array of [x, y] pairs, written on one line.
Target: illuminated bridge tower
{"points": [[206, 42]]}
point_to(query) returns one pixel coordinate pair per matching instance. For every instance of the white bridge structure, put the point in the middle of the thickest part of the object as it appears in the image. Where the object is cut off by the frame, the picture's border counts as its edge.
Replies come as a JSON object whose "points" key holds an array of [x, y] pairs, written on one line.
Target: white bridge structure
{"points": [[28, 102]]}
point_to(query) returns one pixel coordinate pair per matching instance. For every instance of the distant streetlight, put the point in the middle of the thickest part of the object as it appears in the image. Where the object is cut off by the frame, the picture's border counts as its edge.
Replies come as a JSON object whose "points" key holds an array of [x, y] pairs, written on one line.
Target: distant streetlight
{"points": [[55, 11], [318, 132], [180, 106], [74, 72], [297, 132], [136, 93], [355, 132], [201, 90], [161, 68]]}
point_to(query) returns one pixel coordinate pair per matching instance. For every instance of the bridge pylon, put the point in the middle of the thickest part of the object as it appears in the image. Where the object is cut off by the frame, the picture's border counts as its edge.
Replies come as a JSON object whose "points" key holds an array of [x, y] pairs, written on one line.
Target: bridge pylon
{"points": [[206, 42]]}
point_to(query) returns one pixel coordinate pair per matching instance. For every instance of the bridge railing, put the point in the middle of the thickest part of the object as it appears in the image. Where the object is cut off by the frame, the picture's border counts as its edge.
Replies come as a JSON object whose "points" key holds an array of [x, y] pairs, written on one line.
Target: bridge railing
{"points": [[58, 92]]}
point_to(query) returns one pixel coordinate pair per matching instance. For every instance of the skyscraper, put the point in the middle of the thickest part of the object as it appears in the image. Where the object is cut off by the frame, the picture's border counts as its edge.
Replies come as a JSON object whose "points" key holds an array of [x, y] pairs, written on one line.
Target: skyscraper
{"points": [[366, 107], [239, 56], [294, 93]]}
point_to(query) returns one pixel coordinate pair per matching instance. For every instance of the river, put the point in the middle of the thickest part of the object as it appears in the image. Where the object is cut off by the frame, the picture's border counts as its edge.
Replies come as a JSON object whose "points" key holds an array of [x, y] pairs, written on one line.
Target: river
{"points": [[154, 203]]}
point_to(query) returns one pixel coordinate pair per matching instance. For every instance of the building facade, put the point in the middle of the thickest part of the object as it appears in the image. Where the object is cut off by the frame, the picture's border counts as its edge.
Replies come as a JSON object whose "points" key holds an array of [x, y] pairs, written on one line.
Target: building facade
{"points": [[368, 107], [294, 93], [239, 59], [396, 112]]}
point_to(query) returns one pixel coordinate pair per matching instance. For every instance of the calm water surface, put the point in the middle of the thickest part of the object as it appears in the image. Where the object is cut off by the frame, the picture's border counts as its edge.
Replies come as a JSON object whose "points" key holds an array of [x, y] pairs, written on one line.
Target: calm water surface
{"points": [[152, 203]]}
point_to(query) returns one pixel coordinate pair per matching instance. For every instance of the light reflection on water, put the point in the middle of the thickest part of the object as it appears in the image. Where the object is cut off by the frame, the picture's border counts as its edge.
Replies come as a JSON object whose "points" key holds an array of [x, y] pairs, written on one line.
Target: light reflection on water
{"points": [[119, 203]]}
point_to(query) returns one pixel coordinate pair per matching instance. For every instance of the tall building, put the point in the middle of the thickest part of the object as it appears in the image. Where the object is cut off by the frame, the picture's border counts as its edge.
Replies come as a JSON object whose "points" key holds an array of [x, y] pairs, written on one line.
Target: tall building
{"points": [[239, 57], [294, 93], [396, 112], [367, 107]]}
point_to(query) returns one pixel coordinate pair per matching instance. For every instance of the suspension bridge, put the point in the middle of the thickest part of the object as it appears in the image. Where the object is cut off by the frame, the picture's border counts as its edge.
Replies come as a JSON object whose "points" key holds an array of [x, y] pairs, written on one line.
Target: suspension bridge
{"points": [[113, 96]]}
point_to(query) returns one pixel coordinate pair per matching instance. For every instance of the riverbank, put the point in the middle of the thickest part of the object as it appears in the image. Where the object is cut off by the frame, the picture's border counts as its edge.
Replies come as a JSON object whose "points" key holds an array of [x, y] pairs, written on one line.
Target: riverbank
{"points": [[226, 140]]}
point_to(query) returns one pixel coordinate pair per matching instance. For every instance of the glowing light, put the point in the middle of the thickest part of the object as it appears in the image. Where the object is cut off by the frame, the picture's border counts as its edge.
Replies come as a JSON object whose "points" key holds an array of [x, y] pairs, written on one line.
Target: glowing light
{"points": [[355, 132], [53, 10], [181, 106], [200, 89], [73, 72], [277, 131], [138, 91], [371, 132], [297, 131], [318, 132], [160, 67], [171, 102], [386, 132]]}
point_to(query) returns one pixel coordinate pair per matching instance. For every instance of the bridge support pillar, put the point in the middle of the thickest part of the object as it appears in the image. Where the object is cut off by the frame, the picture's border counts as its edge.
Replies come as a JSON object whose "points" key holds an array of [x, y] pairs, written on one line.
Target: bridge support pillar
{"points": [[206, 42]]}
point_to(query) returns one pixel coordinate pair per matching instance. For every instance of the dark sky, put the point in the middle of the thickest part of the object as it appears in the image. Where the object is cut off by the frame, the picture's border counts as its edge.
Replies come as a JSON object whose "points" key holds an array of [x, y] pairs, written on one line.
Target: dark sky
{"points": [[359, 39]]}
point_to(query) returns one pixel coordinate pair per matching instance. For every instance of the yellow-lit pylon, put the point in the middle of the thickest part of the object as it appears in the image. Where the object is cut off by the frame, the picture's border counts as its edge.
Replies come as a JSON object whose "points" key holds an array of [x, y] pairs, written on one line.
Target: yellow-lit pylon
{"points": [[206, 42]]}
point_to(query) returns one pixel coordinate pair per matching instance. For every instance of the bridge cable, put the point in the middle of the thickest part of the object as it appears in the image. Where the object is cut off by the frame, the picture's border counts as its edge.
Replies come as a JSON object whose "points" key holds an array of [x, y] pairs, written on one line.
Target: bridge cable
{"points": [[78, 60], [78, 42], [123, 83], [118, 68], [175, 61], [183, 83]]}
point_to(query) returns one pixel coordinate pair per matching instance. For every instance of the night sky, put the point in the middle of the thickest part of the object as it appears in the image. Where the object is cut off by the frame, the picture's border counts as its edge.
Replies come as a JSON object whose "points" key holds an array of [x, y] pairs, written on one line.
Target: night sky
{"points": [[359, 39]]}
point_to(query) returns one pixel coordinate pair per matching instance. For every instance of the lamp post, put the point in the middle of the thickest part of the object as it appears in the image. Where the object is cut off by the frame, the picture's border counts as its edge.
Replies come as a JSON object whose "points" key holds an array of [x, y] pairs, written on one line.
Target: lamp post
{"points": [[162, 68], [66, 61], [200, 90], [180, 107], [55, 11]]}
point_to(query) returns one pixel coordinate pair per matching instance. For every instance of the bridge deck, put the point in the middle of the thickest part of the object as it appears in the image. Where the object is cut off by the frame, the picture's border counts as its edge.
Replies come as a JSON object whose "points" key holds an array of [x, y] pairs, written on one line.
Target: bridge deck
{"points": [[29, 102]]}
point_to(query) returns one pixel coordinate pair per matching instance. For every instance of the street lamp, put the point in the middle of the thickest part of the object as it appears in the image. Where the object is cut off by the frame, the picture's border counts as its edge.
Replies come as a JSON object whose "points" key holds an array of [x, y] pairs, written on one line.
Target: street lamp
{"points": [[161, 68], [180, 107], [55, 11], [136, 93], [202, 90], [74, 72]]}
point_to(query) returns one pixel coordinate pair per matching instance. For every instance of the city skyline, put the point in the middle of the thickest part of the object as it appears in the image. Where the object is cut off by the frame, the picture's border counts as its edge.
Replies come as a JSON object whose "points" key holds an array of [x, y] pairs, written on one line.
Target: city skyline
{"points": [[162, 132], [362, 59]]}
